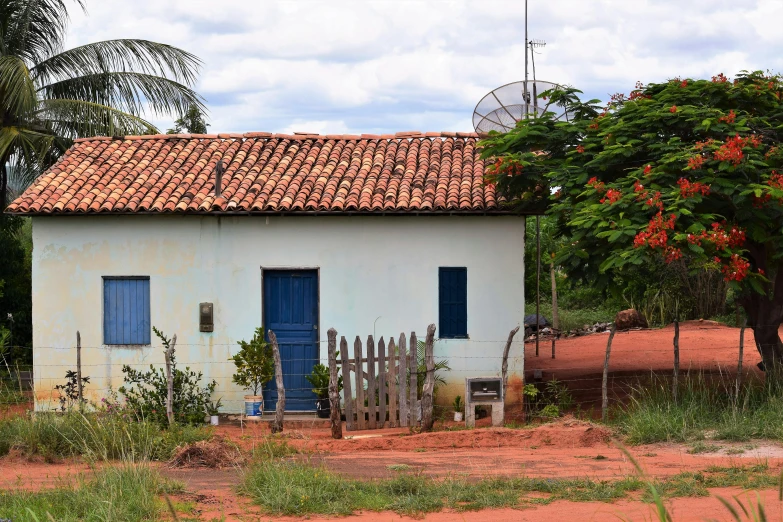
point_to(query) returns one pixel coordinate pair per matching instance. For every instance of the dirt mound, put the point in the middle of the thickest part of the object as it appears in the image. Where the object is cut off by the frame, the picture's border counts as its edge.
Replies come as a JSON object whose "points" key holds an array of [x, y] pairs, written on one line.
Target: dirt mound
{"points": [[217, 453], [566, 433]]}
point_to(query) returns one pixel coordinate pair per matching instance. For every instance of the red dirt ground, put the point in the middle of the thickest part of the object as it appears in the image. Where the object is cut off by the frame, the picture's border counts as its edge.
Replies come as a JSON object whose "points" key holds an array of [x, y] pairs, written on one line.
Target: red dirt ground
{"points": [[704, 345], [568, 448]]}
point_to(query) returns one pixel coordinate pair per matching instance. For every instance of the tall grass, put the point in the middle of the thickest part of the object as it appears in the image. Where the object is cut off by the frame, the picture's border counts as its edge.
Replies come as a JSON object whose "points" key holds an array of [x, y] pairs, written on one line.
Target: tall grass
{"points": [[93, 436], [125, 493], [705, 403]]}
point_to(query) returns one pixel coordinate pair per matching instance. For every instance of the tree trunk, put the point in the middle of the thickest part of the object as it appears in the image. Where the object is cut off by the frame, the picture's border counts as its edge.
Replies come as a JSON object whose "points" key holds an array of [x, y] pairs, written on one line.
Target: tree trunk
{"points": [[555, 312], [764, 317]]}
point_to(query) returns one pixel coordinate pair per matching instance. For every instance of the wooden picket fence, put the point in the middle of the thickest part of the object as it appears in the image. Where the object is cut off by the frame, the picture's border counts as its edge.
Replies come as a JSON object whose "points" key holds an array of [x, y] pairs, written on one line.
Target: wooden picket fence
{"points": [[380, 388]]}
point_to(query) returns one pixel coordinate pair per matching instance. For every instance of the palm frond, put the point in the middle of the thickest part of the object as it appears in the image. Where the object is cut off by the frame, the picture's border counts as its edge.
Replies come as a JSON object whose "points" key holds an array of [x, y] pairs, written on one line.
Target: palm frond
{"points": [[130, 92], [33, 29], [77, 118], [17, 91], [127, 55]]}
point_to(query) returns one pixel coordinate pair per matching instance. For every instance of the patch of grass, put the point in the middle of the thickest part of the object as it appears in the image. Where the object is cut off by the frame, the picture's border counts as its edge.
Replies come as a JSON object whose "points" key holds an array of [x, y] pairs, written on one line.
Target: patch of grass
{"points": [[95, 437], [121, 493], [292, 488], [735, 451], [704, 404], [398, 467], [273, 448], [703, 447]]}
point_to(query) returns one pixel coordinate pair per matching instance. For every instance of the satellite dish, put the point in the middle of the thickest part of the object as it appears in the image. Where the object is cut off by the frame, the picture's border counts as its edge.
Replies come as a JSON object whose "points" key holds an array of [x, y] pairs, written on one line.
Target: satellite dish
{"points": [[501, 109]]}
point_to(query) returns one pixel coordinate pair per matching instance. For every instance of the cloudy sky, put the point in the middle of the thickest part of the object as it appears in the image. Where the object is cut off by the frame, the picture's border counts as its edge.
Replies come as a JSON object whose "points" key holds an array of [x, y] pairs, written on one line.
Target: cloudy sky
{"points": [[375, 66]]}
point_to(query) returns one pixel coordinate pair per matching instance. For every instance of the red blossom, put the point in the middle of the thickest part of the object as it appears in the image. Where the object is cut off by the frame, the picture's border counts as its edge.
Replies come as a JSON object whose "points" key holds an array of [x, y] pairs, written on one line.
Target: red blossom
{"points": [[696, 162], [736, 269], [689, 189], [761, 271], [775, 180], [721, 237], [684, 83], [731, 150], [673, 108], [655, 235], [647, 170], [599, 186], [729, 118], [580, 149], [638, 187], [612, 196], [720, 78]]}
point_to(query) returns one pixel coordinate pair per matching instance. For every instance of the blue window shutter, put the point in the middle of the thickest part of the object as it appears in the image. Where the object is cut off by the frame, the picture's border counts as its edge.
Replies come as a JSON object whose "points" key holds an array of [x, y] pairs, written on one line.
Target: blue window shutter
{"points": [[453, 302], [126, 310]]}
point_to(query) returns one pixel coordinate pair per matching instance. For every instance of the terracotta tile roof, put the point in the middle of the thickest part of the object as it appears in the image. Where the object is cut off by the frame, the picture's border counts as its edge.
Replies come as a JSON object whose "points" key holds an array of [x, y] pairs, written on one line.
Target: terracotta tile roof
{"points": [[404, 172]]}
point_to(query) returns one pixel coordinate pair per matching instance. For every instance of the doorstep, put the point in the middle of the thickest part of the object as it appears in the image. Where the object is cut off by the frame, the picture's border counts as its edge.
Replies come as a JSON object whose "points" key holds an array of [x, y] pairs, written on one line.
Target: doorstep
{"points": [[292, 420]]}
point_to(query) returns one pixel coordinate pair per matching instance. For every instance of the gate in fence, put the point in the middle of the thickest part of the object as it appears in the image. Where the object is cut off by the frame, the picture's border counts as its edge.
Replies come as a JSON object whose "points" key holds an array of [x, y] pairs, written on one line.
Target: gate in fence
{"points": [[381, 386]]}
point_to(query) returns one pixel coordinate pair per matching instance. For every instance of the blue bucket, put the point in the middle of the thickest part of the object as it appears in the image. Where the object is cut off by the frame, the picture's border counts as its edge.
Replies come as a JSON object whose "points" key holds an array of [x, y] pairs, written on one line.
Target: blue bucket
{"points": [[254, 408]]}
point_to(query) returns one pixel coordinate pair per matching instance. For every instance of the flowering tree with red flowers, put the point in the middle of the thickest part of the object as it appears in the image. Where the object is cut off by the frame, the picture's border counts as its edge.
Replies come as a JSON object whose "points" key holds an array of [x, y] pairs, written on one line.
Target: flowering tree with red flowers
{"points": [[689, 172]]}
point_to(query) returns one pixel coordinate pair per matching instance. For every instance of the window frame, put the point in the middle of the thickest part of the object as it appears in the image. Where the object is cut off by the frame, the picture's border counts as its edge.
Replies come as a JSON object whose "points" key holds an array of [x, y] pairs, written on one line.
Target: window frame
{"points": [[103, 307], [448, 334]]}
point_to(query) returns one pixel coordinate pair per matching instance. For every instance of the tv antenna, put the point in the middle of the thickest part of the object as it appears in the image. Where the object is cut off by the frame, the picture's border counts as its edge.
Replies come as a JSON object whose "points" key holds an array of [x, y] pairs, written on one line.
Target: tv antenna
{"points": [[503, 107]]}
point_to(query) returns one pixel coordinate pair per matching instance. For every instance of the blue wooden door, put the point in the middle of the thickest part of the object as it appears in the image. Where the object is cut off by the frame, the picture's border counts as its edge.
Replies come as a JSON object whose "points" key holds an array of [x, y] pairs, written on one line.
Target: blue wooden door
{"points": [[291, 311]]}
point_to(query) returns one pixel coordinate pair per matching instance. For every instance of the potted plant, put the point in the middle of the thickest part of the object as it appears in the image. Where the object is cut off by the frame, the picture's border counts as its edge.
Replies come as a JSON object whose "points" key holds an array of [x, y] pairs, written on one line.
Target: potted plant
{"points": [[319, 379], [213, 409], [255, 367], [458, 407]]}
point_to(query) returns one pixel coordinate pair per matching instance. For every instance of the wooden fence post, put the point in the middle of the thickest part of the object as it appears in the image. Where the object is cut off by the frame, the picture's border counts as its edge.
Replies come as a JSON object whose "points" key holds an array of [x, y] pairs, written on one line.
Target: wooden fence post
{"points": [[429, 381], [381, 382], [676, 376], [79, 368], [347, 392], [170, 381], [334, 390], [604, 390], [504, 363], [392, 376], [372, 409], [739, 361], [277, 424], [403, 373], [358, 369], [414, 379]]}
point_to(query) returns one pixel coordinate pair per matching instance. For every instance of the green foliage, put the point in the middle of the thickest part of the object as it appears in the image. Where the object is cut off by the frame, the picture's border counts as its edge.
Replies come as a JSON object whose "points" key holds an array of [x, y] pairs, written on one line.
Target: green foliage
{"points": [[16, 304], [683, 173], [51, 96], [254, 362], [98, 436], [550, 411], [421, 370], [69, 392], [457, 404], [319, 379], [146, 391], [213, 408], [126, 493], [192, 122], [293, 488], [704, 403]]}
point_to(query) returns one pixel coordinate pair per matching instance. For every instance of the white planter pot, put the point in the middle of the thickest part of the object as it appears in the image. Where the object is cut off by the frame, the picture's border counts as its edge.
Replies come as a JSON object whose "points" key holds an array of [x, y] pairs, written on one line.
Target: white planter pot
{"points": [[254, 405], [457, 416], [214, 420]]}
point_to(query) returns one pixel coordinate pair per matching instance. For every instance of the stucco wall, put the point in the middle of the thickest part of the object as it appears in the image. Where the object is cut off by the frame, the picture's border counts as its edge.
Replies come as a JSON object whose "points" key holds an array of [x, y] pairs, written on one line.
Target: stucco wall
{"points": [[383, 268]]}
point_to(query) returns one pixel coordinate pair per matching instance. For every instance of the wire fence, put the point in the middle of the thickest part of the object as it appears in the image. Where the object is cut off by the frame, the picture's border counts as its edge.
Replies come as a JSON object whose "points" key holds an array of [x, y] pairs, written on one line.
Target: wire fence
{"points": [[576, 364]]}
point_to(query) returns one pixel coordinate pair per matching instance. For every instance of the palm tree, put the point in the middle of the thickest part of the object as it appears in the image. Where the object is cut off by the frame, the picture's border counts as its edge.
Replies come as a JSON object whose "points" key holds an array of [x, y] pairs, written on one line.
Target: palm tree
{"points": [[50, 96]]}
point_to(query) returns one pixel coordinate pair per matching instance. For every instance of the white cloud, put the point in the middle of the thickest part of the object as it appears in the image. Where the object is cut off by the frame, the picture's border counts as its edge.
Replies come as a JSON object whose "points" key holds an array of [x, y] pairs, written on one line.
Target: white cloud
{"points": [[383, 66]]}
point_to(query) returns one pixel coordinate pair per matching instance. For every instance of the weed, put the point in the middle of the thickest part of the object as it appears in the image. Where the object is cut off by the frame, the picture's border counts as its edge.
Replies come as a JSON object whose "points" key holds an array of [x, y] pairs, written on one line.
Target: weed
{"points": [[117, 493], [703, 447], [398, 467], [93, 436], [735, 451], [292, 488], [705, 404]]}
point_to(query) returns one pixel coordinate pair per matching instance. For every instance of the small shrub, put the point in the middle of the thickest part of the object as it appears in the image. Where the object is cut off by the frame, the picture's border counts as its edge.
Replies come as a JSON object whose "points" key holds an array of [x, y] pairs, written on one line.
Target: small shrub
{"points": [[254, 362], [146, 391], [69, 392], [319, 380]]}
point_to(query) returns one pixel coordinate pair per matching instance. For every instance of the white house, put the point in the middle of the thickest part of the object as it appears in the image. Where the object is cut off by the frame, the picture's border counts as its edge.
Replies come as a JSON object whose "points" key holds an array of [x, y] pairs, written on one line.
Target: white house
{"points": [[366, 234]]}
